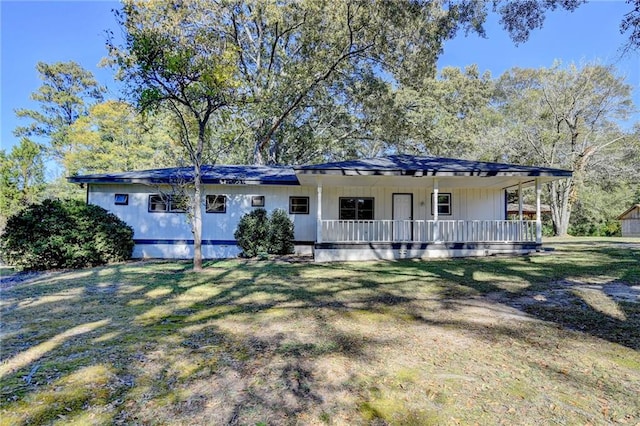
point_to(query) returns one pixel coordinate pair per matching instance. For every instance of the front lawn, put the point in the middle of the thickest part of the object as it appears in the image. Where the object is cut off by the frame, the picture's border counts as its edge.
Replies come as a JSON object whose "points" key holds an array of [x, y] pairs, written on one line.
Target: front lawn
{"points": [[548, 338]]}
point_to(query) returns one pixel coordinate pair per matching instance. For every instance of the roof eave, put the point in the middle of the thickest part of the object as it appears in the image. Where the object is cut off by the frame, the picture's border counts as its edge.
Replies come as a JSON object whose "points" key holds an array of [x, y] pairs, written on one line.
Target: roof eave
{"points": [[110, 180], [434, 173], [629, 210]]}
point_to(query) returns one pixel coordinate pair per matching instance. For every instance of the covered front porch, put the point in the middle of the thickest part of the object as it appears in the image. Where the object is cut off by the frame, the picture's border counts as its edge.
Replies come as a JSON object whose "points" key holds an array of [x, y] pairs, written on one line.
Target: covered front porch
{"points": [[429, 231], [422, 207]]}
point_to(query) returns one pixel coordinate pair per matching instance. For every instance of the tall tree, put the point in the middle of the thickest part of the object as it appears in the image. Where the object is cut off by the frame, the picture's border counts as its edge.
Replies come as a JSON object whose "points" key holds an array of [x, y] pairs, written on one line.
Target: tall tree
{"points": [[114, 137], [564, 118], [66, 93], [290, 54], [21, 177], [173, 58], [443, 116]]}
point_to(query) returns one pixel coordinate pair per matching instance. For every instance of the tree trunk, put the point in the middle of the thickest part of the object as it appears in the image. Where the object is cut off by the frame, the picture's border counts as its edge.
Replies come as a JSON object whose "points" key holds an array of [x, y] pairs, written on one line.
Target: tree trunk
{"points": [[197, 220], [197, 199], [560, 192]]}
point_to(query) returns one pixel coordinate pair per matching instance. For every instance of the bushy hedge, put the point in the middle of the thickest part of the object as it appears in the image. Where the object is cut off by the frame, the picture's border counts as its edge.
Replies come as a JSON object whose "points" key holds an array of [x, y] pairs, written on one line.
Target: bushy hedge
{"points": [[65, 234], [252, 233], [259, 234], [280, 233]]}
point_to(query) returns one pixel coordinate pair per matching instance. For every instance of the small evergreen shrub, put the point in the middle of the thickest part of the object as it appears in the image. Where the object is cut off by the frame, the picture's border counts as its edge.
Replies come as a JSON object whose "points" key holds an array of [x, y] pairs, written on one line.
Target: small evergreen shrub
{"points": [[252, 233], [259, 234], [280, 233], [65, 234]]}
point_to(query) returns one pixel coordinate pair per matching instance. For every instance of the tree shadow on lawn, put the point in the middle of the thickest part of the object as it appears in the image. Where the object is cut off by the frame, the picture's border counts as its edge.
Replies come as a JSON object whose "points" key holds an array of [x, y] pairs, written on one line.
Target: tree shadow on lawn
{"points": [[143, 328], [547, 287], [237, 343]]}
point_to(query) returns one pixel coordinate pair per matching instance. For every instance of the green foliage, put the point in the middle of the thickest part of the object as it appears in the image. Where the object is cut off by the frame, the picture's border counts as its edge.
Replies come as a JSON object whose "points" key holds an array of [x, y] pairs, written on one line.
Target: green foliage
{"points": [[21, 177], [258, 234], [253, 232], [602, 228], [280, 233], [304, 79], [569, 118], [66, 93], [65, 234], [114, 137]]}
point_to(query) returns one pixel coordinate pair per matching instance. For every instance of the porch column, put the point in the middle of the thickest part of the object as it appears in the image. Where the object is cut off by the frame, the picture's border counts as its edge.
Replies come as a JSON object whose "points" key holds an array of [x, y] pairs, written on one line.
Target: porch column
{"points": [[434, 203], [520, 201], [319, 213], [538, 217]]}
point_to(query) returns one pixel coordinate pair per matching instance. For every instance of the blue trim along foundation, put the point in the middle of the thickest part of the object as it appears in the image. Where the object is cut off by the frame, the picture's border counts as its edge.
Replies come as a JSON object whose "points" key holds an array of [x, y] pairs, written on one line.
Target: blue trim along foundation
{"points": [[211, 249]]}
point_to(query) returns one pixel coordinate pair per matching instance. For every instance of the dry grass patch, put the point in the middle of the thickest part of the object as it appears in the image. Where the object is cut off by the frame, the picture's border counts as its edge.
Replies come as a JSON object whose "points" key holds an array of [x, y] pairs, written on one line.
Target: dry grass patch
{"points": [[539, 339]]}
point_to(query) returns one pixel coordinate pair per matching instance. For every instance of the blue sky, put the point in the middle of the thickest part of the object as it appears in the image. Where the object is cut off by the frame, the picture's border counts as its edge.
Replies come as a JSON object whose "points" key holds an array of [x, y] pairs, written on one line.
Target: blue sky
{"points": [[53, 31]]}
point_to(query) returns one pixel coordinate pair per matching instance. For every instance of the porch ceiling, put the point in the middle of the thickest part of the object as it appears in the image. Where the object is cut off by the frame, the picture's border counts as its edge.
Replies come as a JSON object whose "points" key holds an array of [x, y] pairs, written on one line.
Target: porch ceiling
{"points": [[501, 182]]}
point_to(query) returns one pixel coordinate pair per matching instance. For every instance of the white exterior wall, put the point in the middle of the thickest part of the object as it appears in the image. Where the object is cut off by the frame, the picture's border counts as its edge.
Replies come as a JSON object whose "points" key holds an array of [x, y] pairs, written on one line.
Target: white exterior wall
{"points": [[631, 223], [217, 228], [167, 233], [466, 203]]}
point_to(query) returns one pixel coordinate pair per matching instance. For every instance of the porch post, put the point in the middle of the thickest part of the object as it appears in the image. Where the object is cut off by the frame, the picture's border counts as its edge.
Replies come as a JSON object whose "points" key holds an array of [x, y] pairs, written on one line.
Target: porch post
{"points": [[319, 214], [538, 217], [434, 203], [520, 201]]}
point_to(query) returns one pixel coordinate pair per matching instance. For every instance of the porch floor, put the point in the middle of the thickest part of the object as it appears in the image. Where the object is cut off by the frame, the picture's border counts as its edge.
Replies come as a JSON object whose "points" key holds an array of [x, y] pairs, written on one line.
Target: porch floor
{"points": [[358, 251]]}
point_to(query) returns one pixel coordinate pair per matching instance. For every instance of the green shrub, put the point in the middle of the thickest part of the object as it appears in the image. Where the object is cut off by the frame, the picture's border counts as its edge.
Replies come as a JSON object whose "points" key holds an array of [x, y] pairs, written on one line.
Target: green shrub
{"points": [[252, 233], [65, 234], [280, 233], [603, 228], [259, 234]]}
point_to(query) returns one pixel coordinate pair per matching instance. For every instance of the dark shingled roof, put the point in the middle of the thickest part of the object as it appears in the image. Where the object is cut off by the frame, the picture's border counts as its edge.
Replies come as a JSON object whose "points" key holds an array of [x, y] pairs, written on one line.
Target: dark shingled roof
{"points": [[395, 165], [409, 165], [263, 175]]}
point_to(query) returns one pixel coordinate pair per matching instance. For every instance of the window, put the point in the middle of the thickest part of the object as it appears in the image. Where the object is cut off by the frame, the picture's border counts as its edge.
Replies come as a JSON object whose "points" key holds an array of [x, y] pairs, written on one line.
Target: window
{"points": [[257, 201], [356, 208], [444, 204], [121, 199], [167, 203], [299, 205], [216, 204], [178, 204], [157, 203]]}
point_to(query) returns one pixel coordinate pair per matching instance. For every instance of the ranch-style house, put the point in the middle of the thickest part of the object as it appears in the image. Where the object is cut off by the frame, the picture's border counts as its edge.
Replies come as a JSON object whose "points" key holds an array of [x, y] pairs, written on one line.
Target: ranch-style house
{"points": [[380, 208]]}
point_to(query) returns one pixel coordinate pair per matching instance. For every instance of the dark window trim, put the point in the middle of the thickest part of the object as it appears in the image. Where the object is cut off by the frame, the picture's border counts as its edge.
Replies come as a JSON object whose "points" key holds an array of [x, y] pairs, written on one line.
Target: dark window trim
{"points": [[224, 204], [162, 199], [257, 201], [450, 204], [373, 207], [298, 197], [125, 202], [167, 200]]}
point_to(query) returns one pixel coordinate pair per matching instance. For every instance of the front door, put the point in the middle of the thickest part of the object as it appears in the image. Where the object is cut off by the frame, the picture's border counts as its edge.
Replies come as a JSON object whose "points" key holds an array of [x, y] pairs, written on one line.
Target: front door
{"points": [[402, 217]]}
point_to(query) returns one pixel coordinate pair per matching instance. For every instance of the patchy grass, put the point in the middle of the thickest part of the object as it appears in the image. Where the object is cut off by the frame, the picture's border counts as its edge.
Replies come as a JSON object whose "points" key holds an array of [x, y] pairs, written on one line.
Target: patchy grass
{"points": [[548, 338]]}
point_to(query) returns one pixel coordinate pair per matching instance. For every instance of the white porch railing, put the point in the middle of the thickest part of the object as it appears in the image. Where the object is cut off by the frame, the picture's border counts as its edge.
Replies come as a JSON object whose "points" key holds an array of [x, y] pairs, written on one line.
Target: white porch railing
{"points": [[458, 231]]}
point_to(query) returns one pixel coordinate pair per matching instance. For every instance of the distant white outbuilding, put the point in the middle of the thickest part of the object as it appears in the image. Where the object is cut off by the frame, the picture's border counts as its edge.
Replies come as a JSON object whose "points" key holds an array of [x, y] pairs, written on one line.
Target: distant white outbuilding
{"points": [[631, 221]]}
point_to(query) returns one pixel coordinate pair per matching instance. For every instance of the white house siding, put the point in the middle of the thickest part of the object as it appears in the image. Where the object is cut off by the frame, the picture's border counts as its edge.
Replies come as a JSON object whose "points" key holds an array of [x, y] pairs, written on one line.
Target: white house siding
{"points": [[466, 203], [631, 223], [166, 235]]}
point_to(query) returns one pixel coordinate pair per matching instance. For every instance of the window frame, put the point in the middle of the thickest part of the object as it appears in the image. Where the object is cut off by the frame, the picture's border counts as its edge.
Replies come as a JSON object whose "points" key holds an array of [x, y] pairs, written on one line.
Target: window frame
{"points": [[257, 201], [160, 200], [448, 204], [168, 201], [124, 201], [292, 206], [355, 209], [215, 198]]}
